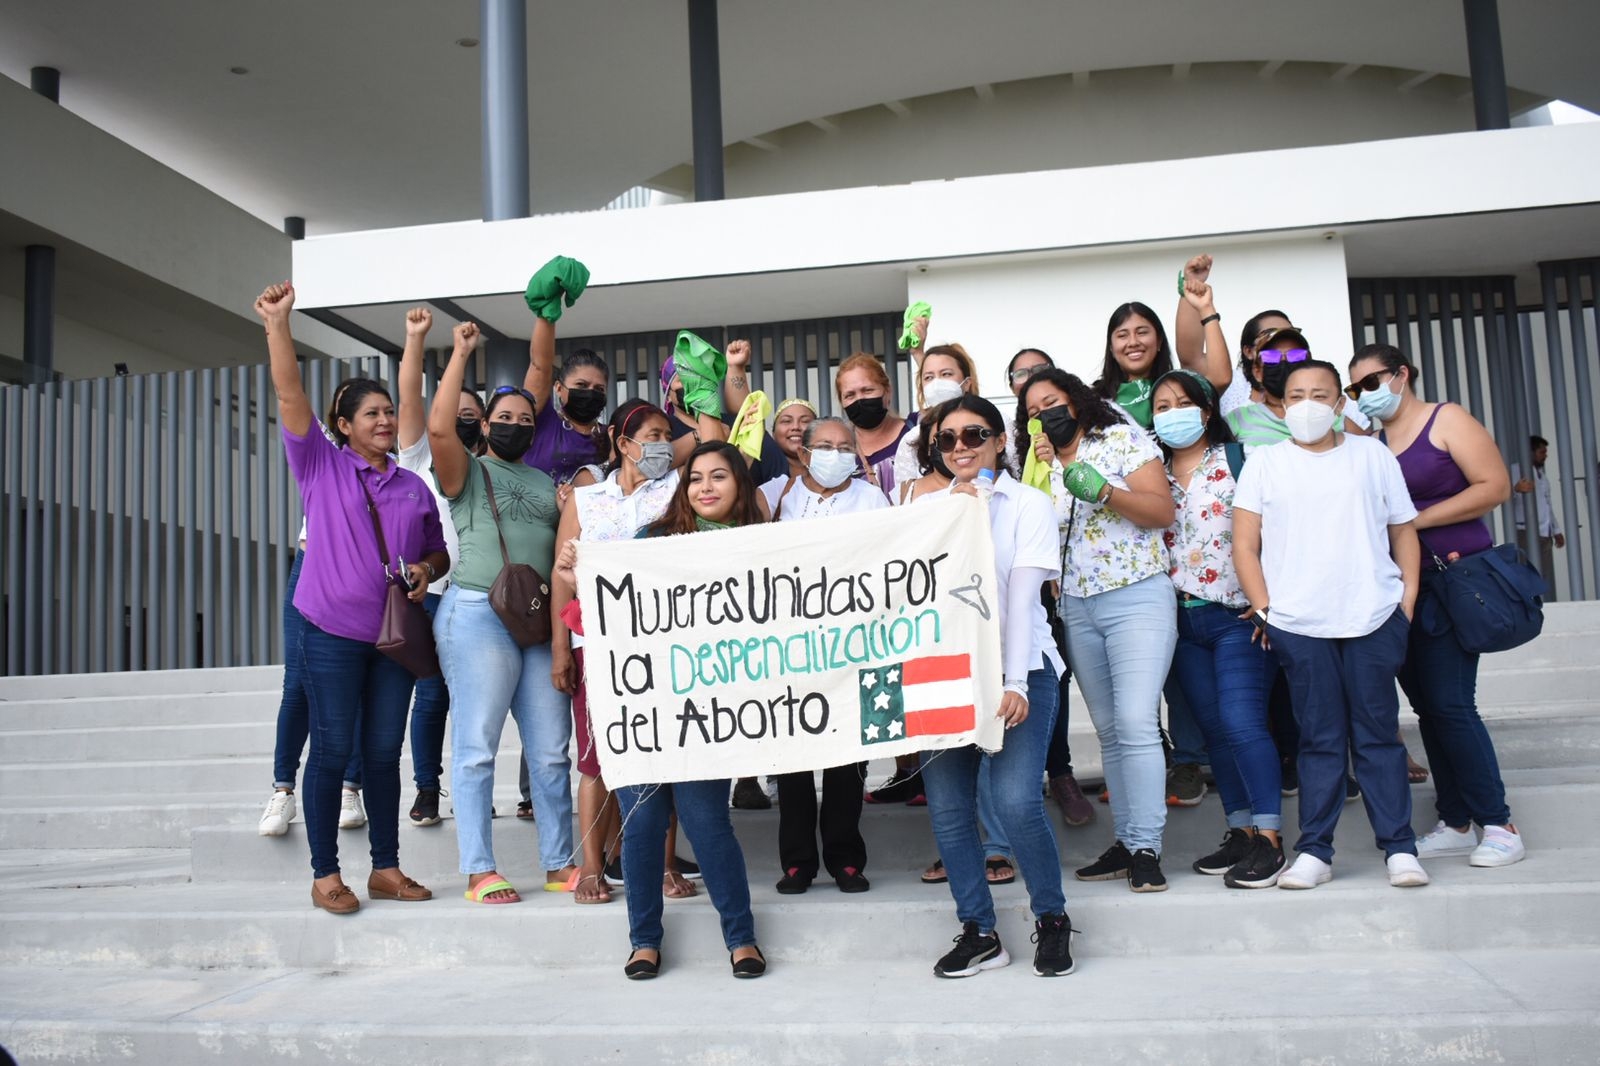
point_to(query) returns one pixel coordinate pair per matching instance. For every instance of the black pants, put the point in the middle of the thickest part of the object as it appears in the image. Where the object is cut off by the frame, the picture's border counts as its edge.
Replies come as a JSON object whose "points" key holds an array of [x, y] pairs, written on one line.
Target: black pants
{"points": [[1058, 755], [840, 820]]}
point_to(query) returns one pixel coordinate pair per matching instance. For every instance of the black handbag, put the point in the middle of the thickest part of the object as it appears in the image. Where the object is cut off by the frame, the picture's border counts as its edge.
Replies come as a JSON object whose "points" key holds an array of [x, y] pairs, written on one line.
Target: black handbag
{"points": [[1493, 601], [406, 633], [520, 595]]}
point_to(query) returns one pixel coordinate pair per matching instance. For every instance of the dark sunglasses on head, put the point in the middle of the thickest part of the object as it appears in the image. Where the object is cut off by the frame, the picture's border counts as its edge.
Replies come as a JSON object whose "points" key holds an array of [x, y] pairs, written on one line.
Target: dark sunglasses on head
{"points": [[524, 393], [1272, 356], [971, 436], [1366, 384]]}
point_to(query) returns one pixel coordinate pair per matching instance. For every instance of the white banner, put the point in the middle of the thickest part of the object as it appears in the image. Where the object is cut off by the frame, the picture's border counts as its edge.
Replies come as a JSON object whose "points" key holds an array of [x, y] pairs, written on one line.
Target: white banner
{"points": [[792, 646]]}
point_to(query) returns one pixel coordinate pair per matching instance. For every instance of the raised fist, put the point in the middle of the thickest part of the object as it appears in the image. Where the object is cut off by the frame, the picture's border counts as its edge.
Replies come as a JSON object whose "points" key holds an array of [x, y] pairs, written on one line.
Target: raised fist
{"points": [[738, 353], [1197, 294], [1197, 269], [418, 321], [466, 335], [275, 303]]}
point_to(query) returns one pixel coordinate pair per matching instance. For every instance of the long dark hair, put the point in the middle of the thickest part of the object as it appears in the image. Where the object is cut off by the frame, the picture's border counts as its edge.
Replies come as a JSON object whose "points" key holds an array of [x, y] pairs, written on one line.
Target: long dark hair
{"points": [[628, 418], [975, 405], [1111, 372], [346, 402], [1203, 396], [1094, 413], [680, 515], [928, 458], [1392, 358]]}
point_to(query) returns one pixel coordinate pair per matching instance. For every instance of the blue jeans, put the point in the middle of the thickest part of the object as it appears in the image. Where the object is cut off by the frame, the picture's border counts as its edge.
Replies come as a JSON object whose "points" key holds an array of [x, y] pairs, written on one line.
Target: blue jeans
{"points": [[995, 843], [952, 779], [488, 673], [1344, 702], [428, 713], [293, 728], [1441, 680], [1225, 678], [357, 696], [1183, 729], [1122, 644], [703, 813]]}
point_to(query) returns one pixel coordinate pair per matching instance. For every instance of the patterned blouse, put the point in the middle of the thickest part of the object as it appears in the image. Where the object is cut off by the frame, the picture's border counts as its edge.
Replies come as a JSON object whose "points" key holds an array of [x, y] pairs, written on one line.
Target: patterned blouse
{"points": [[1201, 539], [1103, 549]]}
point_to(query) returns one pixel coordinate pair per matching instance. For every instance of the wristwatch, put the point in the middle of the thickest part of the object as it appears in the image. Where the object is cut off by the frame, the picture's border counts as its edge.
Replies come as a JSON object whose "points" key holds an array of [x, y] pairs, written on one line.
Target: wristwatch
{"points": [[1259, 618]]}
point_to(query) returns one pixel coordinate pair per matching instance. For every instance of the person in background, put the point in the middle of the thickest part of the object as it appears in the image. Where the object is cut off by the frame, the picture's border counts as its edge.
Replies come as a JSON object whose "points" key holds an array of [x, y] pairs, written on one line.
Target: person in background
{"points": [[1341, 653], [827, 486], [1550, 535], [789, 422], [1454, 473], [350, 489], [1137, 352], [944, 372], [1223, 672], [1113, 505], [861, 386]]}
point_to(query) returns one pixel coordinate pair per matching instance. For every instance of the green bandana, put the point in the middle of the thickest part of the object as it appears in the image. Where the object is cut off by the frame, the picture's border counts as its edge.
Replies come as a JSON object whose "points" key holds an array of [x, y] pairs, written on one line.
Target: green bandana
{"points": [[703, 524], [1134, 398]]}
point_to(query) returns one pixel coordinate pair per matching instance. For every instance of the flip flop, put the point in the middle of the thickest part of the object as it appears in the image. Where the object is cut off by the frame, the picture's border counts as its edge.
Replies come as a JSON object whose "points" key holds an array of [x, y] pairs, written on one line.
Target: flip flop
{"points": [[600, 884], [479, 893], [993, 865], [935, 874], [569, 885]]}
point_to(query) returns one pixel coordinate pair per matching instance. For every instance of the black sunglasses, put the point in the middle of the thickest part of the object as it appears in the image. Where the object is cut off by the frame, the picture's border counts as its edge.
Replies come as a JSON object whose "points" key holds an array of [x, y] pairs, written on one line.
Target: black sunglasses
{"points": [[1366, 384], [971, 436]]}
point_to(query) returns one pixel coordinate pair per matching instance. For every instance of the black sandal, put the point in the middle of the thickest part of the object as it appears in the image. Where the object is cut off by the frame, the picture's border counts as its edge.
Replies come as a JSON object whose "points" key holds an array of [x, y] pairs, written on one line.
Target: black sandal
{"points": [[991, 865], [935, 874], [642, 969], [748, 967], [525, 810]]}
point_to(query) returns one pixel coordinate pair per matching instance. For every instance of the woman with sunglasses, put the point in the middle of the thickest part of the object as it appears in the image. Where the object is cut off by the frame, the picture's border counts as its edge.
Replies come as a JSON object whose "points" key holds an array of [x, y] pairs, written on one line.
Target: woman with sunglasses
{"points": [[1113, 505], [970, 435], [640, 482], [351, 488], [1137, 352], [1456, 476], [1276, 351], [1224, 674], [716, 492], [504, 510]]}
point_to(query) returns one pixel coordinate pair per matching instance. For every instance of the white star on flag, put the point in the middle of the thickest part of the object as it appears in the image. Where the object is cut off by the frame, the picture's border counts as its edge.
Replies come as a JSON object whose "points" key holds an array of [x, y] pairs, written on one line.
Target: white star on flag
{"points": [[896, 727], [894, 675], [869, 679], [880, 702], [872, 732]]}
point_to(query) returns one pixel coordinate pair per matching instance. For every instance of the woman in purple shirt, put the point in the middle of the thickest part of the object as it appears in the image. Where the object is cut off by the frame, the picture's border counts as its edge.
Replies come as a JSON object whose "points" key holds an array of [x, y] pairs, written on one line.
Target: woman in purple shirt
{"points": [[353, 689], [1454, 472]]}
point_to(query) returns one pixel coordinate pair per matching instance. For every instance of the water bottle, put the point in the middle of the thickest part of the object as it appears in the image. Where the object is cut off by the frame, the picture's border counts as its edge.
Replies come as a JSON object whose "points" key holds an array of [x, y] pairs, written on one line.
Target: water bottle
{"points": [[985, 484]]}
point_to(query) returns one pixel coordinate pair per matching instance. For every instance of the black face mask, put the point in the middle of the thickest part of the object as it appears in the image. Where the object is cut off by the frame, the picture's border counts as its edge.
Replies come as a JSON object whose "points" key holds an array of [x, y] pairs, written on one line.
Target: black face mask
{"points": [[1274, 376], [1058, 425], [510, 440], [470, 430], [867, 412], [583, 406]]}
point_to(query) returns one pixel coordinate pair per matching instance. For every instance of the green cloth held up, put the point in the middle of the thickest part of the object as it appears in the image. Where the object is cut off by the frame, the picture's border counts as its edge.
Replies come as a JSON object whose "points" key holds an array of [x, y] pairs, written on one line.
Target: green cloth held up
{"points": [[560, 278], [750, 424], [1034, 472], [701, 369], [908, 336], [1134, 398]]}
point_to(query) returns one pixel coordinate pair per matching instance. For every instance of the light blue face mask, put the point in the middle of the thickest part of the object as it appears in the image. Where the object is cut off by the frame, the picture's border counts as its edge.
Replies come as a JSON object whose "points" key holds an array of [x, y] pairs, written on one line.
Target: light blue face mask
{"points": [[1179, 427], [1380, 403]]}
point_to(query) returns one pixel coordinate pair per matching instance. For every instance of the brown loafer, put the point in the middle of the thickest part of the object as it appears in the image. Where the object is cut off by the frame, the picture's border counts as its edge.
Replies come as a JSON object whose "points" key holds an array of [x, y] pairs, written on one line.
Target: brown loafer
{"points": [[392, 884], [341, 899]]}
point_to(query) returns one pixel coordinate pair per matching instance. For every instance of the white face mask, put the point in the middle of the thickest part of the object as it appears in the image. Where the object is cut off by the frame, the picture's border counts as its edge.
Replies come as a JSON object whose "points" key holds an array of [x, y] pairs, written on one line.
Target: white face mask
{"points": [[941, 390], [1308, 420], [831, 468]]}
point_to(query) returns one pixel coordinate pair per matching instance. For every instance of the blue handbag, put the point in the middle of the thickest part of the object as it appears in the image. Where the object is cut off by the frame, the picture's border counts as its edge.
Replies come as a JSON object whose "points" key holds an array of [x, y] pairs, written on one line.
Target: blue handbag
{"points": [[1493, 601]]}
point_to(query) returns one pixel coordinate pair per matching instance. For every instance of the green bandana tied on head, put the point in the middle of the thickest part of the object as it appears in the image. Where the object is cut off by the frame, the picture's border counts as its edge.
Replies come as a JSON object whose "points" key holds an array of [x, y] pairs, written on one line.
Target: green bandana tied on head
{"points": [[1134, 398]]}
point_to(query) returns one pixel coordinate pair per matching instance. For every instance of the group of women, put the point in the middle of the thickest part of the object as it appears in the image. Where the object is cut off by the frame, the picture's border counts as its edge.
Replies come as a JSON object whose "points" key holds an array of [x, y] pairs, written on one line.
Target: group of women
{"points": [[1112, 520]]}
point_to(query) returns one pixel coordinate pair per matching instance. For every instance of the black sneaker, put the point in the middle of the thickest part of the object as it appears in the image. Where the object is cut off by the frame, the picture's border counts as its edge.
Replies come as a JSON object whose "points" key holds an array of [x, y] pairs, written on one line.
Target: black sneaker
{"points": [[1259, 868], [852, 880], [1053, 956], [689, 870], [1114, 863], [1291, 778], [614, 872], [1352, 790], [973, 952], [793, 882], [748, 795], [901, 788], [1146, 875], [425, 811], [1235, 846]]}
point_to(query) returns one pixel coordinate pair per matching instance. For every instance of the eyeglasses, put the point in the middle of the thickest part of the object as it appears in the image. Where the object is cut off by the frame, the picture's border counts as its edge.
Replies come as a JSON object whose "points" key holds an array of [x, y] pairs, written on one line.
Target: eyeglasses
{"points": [[1273, 356], [971, 436], [1366, 384], [1023, 373]]}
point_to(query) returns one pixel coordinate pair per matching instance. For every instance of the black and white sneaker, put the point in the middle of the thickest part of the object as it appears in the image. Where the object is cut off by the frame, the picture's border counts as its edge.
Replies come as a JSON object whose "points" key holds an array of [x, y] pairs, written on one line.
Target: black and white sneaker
{"points": [[1259, 868], [613, 872], [1115, 862], [1235, 846], [1146, 875], [1053, 956], [973, 953]]}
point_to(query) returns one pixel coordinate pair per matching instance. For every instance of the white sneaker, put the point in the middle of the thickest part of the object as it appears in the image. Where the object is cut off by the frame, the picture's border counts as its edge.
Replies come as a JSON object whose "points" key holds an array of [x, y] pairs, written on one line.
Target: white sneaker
{"points": [[1500, 847], [1308, 871], [279, 813], [1443, 840], [351, 813], [1405, 871]]}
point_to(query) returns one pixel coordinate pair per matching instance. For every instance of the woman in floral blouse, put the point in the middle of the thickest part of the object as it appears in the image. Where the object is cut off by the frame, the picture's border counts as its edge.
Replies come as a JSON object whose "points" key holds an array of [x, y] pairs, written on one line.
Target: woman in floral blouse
{"points": [[1112, 503], [1224, 672]]}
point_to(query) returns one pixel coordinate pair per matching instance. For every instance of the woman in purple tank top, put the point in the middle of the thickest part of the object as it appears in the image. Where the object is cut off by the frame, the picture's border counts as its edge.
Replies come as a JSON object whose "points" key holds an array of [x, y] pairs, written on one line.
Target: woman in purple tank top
{"points": [[1456, 476]]}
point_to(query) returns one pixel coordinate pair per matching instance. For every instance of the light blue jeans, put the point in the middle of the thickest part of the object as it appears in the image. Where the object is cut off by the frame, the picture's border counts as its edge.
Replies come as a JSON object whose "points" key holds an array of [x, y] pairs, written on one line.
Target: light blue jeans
{"points": [[487, 673], [1121, 647]]}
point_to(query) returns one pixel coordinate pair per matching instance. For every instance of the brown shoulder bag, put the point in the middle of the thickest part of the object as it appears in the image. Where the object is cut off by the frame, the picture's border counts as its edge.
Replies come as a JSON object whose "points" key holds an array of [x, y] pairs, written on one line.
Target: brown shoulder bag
{"points": [[520, 595]]}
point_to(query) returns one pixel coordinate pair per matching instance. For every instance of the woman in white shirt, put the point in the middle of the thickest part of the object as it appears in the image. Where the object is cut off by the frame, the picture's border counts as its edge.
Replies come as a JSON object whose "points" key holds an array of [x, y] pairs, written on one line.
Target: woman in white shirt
{"points": [[970, 435], [1113, 505]]}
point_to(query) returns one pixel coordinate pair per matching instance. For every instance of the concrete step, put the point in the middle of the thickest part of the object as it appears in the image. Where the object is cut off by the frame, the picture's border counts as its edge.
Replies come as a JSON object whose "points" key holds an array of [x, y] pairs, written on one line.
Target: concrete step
{"points": [[58, 868], [898, 838], [1541, 902], [1500, 1005], [143, 683], [149, 709]]}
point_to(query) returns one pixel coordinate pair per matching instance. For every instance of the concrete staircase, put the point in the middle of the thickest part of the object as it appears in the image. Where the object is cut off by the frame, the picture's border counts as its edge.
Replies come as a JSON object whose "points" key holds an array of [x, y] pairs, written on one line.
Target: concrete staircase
{"points": [[143, 920]]}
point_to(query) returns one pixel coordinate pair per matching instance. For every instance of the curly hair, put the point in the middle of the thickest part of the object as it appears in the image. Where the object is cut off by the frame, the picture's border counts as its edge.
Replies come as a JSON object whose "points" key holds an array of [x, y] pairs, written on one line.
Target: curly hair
{"points": [[1093, 411]]}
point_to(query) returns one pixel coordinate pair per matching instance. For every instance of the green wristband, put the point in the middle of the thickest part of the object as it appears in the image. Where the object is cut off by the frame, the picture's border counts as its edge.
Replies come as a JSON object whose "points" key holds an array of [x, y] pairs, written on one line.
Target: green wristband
{"points": [[1180, 283]]}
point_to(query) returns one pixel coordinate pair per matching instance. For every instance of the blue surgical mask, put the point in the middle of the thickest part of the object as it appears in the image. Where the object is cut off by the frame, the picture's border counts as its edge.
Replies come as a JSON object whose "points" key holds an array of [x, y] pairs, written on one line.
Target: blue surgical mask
{"points": [[830, 467], [1180, 426], [1380, 403]]}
